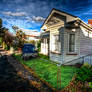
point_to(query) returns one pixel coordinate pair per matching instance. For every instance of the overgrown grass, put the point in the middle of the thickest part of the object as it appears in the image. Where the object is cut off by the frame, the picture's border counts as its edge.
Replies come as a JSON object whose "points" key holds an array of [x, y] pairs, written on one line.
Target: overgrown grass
{"points": [[48, 70]]}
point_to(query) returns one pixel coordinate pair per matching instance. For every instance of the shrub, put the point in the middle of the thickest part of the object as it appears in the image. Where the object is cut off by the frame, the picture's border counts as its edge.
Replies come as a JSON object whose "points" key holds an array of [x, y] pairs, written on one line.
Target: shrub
{"points": [[32, 42], [43, 56], [84, 73], [39, 45], [90, 84]]}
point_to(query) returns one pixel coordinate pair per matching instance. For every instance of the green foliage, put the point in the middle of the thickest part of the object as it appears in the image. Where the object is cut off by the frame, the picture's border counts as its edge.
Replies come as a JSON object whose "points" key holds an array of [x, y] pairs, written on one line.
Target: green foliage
{"points": [[20, 37], [86, 65], [43, 56], [0, 40], [0, 23], [84, 73], [90, 84], [7, 47], [48, 70], [39, 45], [32, 42], [46, 75]]}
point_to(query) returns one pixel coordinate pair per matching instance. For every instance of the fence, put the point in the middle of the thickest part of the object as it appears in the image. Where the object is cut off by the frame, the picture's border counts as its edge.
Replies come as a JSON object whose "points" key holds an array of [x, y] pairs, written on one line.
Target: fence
{"points": [[81, 60]]}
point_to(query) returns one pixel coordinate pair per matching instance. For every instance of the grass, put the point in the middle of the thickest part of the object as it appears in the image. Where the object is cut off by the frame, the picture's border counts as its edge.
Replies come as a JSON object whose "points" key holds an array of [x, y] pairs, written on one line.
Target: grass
{"points": [[47, 70]]}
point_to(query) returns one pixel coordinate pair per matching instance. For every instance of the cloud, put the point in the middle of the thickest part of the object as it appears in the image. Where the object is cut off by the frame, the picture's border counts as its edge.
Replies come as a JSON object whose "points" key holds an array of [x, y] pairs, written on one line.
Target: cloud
{"points": [[30, 14], [38, 19], [13, 1], [9, 13]]}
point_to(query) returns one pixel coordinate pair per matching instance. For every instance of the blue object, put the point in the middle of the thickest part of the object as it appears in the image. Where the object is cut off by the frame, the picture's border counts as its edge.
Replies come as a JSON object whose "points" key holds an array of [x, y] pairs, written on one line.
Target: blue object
{"points": [[28, 48], [28, 51]]}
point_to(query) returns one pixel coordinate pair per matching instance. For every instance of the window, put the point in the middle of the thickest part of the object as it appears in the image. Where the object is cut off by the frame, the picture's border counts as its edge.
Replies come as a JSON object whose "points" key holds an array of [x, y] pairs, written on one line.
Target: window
{"points": [[71, 42], [56, 42]]}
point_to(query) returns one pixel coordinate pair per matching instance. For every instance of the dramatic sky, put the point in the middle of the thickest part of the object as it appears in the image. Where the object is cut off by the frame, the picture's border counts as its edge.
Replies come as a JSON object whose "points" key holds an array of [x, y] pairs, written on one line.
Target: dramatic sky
{"points": [[30, 14]]}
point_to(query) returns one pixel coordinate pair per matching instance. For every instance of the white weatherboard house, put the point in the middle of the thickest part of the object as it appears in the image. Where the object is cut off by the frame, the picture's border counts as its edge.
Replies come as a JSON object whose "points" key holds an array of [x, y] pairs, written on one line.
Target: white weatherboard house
{"points": [[66, 38]]}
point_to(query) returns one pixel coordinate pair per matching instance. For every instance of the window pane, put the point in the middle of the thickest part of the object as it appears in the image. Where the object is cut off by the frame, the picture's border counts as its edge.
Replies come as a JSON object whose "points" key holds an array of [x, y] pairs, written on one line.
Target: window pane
{"points": [[71, 42]]}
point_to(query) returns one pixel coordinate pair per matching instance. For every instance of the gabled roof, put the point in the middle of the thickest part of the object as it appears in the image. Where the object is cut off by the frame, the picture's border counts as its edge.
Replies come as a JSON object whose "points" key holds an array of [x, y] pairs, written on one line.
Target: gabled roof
{"points": [[64, 12], [76, 18], [56, 10]]}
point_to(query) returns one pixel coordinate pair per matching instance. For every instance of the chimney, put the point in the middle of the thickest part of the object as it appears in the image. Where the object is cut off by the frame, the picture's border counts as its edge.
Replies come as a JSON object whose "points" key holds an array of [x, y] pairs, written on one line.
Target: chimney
{"points": [[90, 22]]}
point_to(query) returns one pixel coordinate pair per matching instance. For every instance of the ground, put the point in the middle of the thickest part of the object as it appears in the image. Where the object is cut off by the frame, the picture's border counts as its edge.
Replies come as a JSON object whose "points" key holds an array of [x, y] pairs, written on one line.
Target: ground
{"points": [[47, 70], [16, 77], [13, 80], [10, 81]]}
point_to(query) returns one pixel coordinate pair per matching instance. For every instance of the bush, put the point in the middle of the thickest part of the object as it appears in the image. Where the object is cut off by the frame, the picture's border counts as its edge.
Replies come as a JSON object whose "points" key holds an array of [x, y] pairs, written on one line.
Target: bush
{"points": [[32, 42], [44, 56], [39, 45], [84, 73], [90, 84]]}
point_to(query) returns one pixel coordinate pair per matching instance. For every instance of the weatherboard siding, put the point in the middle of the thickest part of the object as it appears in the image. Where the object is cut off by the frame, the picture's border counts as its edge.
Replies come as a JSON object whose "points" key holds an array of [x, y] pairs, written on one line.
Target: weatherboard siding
{"points": [[85, 42]]}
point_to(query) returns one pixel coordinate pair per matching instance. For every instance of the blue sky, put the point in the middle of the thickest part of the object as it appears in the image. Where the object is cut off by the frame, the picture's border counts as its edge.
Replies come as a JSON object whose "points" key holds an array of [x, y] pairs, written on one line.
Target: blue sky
{"points": [[30, 14]]}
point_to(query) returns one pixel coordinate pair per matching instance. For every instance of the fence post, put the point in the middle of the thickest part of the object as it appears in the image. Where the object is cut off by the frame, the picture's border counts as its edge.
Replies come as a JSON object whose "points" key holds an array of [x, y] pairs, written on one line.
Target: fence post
{"points": [[58, 76]]}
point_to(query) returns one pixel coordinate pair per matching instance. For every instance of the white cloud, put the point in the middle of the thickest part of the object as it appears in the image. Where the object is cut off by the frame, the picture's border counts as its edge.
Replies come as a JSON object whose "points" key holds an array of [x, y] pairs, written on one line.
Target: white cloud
{"points": [[9, 13], [28, 18], [38, 19], [88, 12], [31, 32]]}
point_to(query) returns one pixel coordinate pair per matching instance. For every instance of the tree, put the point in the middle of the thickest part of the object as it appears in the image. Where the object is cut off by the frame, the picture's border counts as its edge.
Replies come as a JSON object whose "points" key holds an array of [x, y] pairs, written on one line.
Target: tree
{"points": [[7, 38], [15, 28], [1, 29], [20, 35], [0, 23]]}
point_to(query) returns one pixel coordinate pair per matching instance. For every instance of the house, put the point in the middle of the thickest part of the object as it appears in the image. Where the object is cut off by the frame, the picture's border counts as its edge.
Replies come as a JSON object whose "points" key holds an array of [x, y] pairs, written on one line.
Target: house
{"points": [[66, 38], [31, 35]]}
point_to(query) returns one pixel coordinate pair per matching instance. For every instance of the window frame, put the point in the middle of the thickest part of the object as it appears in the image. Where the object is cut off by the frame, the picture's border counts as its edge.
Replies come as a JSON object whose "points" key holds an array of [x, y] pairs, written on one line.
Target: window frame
{"points": [[57, 51], [69, 43]]}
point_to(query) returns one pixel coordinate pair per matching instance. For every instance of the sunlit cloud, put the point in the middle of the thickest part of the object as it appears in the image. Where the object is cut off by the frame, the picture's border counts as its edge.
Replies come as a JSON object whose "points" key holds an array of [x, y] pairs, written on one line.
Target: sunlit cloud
{"points": [[38, 19]]}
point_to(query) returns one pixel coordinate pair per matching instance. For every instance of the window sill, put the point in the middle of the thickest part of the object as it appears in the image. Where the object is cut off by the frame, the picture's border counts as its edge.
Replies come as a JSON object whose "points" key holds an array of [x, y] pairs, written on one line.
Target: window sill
{"points": [[71, 54], [56, 53]]}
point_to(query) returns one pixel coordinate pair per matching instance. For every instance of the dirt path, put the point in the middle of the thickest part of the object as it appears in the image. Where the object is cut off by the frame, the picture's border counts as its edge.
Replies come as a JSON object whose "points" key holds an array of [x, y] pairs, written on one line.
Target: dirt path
{"points": [[15, 78]]}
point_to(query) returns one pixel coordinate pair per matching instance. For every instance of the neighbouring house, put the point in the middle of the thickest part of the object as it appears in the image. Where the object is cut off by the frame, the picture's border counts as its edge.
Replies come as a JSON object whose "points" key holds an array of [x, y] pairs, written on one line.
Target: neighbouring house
{"points": [[31, 35], [66, 38]]}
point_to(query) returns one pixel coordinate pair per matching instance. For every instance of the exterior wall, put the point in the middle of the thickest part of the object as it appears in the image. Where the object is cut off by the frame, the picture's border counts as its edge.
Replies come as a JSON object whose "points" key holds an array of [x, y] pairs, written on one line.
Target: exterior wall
{"points": [[44, 47], [32, 38], [85, 42], [67, 55], [64, 55], [55, 56], [83, 45]]}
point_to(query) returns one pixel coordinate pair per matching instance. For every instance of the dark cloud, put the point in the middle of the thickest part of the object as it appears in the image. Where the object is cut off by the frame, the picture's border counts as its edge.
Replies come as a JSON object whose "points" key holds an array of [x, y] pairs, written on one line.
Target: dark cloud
{"points": [[26, 9]]}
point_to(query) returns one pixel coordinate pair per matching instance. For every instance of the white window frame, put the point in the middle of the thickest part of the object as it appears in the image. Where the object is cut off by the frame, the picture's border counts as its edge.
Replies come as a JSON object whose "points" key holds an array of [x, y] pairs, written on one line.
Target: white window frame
{"points": [[74, 43], [56, 51]]}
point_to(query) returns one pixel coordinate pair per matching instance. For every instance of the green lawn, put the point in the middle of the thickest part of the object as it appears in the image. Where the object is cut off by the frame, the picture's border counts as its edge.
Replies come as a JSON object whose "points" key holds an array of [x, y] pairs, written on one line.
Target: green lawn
{"points": [[47, 70]]}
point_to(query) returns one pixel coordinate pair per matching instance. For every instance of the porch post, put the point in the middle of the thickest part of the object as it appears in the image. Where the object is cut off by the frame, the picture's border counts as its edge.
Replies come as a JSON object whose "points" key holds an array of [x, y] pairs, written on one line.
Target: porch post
{"points": [[62, 43]]}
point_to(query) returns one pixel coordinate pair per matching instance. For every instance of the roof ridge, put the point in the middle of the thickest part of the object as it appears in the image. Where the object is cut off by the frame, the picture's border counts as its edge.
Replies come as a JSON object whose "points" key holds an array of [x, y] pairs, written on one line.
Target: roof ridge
{"points": [[64, 12]]}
